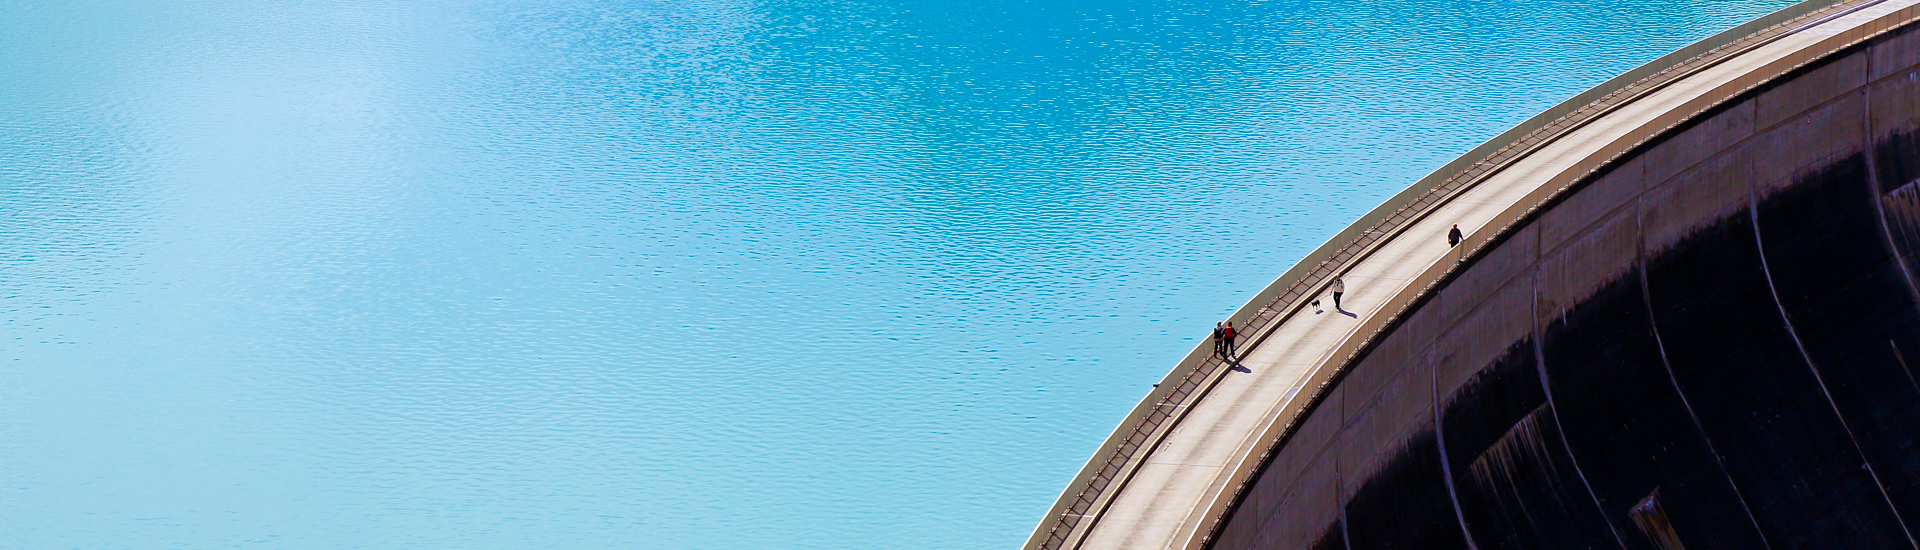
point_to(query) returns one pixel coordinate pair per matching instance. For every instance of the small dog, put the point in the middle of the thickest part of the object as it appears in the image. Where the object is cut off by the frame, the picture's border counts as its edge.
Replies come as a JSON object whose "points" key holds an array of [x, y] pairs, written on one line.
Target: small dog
{"points": [[1316, 307]]}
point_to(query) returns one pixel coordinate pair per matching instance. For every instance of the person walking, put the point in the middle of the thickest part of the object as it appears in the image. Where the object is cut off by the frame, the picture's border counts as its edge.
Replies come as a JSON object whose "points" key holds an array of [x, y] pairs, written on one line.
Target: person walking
{"points": [[1228, 334], [1453, 235], [1217, 333], [1339, 286]]}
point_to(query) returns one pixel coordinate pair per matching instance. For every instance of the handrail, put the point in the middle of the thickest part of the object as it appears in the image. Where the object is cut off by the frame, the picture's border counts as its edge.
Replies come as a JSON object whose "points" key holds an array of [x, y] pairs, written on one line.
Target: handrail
{"points": [[1088, 493]]}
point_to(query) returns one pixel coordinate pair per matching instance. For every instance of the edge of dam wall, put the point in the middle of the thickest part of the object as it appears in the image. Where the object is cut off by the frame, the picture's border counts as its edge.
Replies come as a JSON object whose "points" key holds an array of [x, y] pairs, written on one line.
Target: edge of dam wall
{"points": [[1704, 343]]}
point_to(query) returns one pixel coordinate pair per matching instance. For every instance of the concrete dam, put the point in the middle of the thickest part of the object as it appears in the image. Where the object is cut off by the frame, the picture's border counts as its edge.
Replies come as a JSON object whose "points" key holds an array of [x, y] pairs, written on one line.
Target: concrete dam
{"points": [[1685, 314]]}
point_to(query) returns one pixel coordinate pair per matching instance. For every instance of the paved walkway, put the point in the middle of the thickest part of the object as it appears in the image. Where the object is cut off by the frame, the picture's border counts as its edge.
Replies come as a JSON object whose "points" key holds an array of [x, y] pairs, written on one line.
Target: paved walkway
{"points": [[1171, 499]]}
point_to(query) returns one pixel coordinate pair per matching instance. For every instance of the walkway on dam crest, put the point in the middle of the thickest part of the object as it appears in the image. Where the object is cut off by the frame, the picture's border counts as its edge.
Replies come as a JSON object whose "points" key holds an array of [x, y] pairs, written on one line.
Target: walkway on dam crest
{"points": [[1172, 496]]}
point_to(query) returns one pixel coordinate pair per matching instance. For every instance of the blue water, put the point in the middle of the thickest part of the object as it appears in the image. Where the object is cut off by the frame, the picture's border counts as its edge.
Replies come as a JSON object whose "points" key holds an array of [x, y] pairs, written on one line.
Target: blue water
{"points": [[677, 275]]}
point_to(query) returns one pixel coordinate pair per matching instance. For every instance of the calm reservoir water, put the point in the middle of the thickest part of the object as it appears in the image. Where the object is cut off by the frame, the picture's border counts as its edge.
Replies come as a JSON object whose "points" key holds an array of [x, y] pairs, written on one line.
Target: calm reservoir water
{"points": [[678, 275]]}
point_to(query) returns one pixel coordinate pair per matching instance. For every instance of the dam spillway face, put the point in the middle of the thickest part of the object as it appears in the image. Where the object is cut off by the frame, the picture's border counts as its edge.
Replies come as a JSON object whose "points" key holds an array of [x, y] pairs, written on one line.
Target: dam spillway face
{"points": [[1711, 342]]}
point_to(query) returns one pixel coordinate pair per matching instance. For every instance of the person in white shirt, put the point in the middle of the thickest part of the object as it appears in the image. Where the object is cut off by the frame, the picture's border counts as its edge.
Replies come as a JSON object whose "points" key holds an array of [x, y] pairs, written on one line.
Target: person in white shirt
{"points": [[1339, 286]]}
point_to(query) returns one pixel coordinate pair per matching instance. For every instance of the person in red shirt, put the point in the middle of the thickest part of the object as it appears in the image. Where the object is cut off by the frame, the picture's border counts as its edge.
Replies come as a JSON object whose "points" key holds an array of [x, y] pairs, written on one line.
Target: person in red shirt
{"points": [[1228, 334]]}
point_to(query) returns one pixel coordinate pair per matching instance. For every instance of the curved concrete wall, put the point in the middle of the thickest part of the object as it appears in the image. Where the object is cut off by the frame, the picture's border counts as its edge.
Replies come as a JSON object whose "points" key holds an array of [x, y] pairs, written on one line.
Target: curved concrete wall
{"points": [[1709, 343]]}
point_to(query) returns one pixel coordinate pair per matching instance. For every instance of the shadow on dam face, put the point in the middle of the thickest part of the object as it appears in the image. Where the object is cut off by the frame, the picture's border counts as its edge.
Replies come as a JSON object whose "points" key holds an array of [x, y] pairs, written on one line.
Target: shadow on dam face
{"points": [[1708, 344]]}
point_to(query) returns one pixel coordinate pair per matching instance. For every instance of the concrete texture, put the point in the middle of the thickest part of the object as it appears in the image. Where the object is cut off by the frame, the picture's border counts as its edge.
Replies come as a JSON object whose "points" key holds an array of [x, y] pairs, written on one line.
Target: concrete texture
{"points": [[1525, 389]]}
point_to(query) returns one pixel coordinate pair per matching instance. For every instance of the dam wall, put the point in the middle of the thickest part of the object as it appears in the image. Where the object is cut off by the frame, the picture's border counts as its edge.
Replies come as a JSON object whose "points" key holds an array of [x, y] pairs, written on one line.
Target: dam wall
{"points": [[1708, 343]]}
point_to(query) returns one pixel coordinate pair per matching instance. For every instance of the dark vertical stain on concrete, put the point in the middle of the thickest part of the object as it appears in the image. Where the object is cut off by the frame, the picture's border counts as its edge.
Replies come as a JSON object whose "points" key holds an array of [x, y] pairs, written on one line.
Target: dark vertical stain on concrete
{"points": [[1552, 414], [1754, 394], [1896, 160], [1446, 464], [1523, 493], [1877, 181], [1518, 489], [1495, 399], [1901, 207], [1404, 504], [1695, 417], [1844, 293], [1630, 431]]}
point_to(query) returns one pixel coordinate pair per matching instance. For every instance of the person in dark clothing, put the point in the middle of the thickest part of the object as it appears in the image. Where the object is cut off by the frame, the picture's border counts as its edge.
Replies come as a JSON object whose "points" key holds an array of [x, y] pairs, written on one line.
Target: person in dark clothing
{"points": [[1228, 334], [1217, 334], [1453, 235]]}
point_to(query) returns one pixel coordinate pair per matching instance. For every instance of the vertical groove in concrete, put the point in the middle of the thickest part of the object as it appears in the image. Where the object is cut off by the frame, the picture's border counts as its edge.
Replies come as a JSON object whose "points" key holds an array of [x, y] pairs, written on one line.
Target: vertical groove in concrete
{"points": [[1646, 298], [1902, 358], [1546, 387], [1339, 489], [1446, 468]]}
